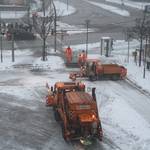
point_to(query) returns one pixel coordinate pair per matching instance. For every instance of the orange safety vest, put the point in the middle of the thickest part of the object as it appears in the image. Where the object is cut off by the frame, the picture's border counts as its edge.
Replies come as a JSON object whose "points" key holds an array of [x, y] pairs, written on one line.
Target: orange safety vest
{"points": [[68, 53], [83, 56]]}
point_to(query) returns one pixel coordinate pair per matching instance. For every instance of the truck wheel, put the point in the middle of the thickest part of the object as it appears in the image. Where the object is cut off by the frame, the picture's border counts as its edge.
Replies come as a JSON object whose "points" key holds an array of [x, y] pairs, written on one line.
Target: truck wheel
{"points": [[63, 133], [57, 117], [56, 114], [92, 78], [115, 77]]}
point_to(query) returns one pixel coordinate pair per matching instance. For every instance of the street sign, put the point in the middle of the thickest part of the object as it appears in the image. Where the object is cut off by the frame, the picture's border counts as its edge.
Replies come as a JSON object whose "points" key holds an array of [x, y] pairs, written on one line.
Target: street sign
{"points": [[147, 8]]}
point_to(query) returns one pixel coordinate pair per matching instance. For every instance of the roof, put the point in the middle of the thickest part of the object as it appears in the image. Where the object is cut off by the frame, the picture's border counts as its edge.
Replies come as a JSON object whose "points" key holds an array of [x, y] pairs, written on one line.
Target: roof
{"points": [[65, 85], [79, 98]]}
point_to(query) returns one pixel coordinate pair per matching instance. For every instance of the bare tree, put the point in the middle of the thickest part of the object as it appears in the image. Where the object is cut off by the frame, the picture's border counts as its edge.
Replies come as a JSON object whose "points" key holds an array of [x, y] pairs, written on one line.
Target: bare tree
{"points": [[139, 32], [44, 23], [141, 28], [129, 36]]}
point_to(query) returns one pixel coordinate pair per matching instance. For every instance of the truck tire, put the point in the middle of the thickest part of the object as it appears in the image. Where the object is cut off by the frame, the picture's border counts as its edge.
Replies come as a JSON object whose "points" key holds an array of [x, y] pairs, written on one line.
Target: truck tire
{"points": [[115, 77], [56, 114], [63, 132], [92, 78], [57, 117]]}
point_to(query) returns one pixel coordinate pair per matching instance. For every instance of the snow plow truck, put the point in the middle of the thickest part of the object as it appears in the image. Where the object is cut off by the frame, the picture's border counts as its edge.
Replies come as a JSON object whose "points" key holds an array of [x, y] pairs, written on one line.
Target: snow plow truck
{"points": [[95, 70], [75, 110]]}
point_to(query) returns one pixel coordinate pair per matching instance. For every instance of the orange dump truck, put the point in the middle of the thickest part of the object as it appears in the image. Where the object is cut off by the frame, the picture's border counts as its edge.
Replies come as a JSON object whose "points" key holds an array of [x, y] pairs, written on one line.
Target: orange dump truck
{"points": [[76, 111], [95, 70]]}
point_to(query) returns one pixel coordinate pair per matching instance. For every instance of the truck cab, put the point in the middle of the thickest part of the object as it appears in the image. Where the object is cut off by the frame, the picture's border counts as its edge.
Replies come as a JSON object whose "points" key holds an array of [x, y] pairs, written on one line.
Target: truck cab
{"points": [[76, 111]]}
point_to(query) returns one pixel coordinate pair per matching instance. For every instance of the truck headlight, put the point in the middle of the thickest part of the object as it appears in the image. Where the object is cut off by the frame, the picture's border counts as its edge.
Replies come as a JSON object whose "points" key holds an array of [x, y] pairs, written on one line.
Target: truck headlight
{"points": [[93, 117]]}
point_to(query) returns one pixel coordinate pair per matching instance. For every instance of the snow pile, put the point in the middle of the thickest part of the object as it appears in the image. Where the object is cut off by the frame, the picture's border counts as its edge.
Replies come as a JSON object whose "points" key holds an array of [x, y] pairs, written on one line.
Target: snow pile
{"points": [[110, 8], [135, 74]]}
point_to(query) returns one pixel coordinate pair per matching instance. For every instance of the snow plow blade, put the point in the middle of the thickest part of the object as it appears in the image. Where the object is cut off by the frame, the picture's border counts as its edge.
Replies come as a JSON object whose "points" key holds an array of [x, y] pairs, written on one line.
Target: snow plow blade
{"points": [[86, 141]]}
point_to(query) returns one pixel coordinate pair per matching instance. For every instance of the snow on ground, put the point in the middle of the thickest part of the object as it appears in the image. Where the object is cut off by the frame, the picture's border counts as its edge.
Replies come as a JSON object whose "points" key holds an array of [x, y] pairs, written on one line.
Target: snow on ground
{"points": [[70, 29], [13, 5], [139, 5], [110, 8], [36, 5], [7, 60], [135, 74], [52, 63], [62, 9], [12, 14], [24, 58]]}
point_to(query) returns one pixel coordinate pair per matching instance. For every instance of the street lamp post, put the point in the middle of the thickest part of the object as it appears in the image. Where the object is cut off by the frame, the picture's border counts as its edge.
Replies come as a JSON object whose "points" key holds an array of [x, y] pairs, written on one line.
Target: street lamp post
{"points": [[28, 7], [87, 36], [67, 5], [13, 41], [1, 48], [55, 27], [145, 51], [1, 36], [147, 10]]}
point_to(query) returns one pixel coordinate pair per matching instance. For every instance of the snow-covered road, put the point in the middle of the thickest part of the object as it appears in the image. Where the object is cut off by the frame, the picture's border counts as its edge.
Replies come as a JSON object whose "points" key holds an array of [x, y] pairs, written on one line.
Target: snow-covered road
{"points": [[25, 122], [124, 110]]}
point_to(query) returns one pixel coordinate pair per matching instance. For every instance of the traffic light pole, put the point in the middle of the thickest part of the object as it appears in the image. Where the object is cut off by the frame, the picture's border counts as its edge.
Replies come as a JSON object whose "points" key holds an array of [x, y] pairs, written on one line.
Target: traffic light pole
{"points": [[87, 35], [13, 50], [1, 48]]}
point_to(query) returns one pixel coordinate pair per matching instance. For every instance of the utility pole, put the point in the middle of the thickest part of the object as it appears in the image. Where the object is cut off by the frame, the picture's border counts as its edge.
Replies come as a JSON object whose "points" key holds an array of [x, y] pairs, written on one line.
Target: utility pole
{"points": [[142, 34], [145, 51], [28, 7], [13, 50], [1, 39], [1, 47], [147, 10], [129, 36], [62, 38], [43, 33], [55, 27], [87, 38], [67, 5]]}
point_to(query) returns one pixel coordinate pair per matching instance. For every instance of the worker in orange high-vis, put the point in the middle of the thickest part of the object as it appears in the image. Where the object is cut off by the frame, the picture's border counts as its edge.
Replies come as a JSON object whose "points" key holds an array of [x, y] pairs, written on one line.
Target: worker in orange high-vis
{"points": [[79, 59], [68, 54], [83, 58]]}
